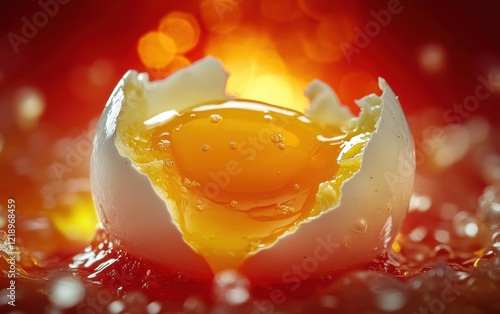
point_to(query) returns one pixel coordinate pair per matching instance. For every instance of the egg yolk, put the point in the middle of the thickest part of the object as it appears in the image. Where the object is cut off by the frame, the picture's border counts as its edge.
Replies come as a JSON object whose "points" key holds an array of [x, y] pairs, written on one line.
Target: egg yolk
{"points": [[237, 175]]}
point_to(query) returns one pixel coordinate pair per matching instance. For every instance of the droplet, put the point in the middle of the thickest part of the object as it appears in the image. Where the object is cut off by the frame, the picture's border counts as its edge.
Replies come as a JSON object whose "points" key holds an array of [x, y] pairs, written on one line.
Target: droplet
{"points": [[268, 118], [177, 129], [251, 158], [360, 226], [163, 145], [277, 138], [233, 145], [192, 115], [205, 147], [285, 209], [281, 146], [188, 183], [200, 205], [169, 162], [296, 187], [215, 118], [184, 189], [233, 204]]}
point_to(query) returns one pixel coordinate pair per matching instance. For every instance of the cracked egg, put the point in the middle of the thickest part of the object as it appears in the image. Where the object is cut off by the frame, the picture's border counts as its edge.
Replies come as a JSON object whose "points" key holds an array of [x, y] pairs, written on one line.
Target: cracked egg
{"points": [[189, 177]]}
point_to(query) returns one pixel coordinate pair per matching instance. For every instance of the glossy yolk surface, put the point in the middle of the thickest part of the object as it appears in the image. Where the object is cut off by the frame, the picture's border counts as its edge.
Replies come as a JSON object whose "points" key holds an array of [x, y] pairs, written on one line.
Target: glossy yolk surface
{"points": [[236, 176]]}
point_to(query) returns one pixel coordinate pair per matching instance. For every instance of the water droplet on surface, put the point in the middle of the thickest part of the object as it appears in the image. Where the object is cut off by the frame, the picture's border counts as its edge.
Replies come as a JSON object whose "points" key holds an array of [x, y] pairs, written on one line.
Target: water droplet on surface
{"points": [[233, 145], [163, 145], [360, 226], [192, 115], [215, 118], [268, 118], [281, 146], [276, 138], [169, 162], [284, 209], [233, 204], [177, 129], [231, 288], [205, 148], [296, 187]]}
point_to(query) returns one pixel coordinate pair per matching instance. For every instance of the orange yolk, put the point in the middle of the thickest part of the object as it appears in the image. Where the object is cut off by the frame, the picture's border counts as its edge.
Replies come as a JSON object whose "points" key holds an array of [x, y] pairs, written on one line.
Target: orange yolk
{"points": [[236, 176]]}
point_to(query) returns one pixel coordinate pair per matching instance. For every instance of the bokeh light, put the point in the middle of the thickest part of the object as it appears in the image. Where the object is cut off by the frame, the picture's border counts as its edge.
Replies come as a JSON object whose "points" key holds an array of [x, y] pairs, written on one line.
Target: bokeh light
{"points": [[183, 28], [156, 49], [432, 58], [30, 106], [220, 16]]}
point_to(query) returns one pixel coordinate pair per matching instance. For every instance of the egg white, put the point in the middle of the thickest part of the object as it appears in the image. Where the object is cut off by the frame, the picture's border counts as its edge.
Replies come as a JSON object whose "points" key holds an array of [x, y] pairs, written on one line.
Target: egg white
{"points": [[137, 218]]}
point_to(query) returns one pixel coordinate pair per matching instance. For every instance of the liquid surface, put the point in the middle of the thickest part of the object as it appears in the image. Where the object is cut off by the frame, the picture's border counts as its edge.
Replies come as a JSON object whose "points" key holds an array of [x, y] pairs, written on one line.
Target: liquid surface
{"points": [[238, 175]]}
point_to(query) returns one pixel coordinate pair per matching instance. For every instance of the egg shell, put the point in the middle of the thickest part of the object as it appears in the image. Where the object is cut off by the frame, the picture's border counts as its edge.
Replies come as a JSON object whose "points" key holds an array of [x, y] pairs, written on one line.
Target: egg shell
{"points": [[376, 197]]}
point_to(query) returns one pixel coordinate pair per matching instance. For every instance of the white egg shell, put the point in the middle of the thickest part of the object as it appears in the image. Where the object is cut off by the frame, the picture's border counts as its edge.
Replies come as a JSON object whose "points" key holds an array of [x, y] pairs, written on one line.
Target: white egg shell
{"points": [[372, 206]]}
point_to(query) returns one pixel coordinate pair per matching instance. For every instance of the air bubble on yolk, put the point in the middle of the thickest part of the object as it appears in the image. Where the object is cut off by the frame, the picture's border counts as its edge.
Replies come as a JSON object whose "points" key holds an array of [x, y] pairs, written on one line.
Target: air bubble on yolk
{"points": [[233, 181]]}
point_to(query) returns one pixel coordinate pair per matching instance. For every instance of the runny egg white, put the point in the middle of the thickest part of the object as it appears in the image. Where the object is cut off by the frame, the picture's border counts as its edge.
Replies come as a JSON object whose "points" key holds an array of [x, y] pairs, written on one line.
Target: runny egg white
{"points": [[186, 176]]}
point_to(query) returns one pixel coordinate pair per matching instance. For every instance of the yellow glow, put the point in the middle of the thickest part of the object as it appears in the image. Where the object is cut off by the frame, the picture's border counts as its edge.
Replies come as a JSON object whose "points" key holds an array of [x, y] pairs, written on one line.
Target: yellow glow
{"points": [[257, 71], [396, 247], [76, 222]]}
